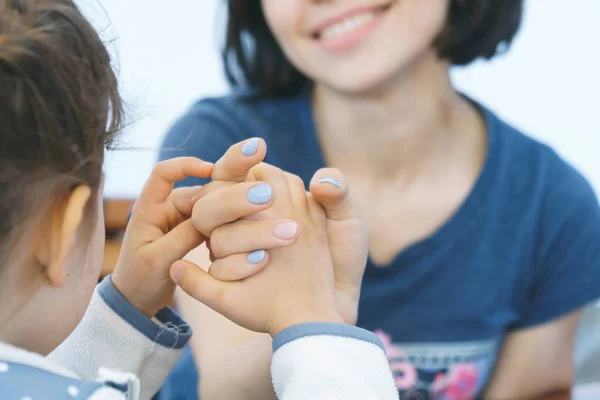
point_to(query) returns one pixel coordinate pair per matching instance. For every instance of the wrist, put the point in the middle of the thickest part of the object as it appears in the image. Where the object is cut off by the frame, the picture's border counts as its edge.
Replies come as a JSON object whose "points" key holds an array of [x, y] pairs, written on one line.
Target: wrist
{"points": [[347, 307], [131, 293], [297, 319]]}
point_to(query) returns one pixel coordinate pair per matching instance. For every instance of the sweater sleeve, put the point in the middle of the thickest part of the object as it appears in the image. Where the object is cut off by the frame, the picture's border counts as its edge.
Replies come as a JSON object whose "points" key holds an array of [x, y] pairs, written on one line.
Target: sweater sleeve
{"points": [[330, 361], [114, 335]]}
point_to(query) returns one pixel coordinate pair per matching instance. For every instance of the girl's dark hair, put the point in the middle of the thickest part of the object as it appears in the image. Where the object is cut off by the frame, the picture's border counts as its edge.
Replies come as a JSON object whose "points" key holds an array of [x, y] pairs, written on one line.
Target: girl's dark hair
{"points": [[253, 59], [59, 107]]}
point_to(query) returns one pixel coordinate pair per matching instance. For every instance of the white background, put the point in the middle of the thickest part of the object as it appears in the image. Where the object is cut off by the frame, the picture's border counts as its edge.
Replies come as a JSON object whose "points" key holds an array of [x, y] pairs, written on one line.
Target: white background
{"points": [[167, 52]]}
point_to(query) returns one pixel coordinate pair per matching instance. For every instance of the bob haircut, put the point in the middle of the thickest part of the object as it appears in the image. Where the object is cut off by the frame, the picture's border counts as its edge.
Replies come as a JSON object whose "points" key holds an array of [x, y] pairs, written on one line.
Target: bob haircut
{"points": [[253, 59]]}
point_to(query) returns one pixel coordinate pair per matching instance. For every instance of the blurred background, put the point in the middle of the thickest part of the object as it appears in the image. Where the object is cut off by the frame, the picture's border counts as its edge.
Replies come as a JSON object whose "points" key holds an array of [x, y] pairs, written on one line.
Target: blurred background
{"points": [[167, 53], [168, 57]]}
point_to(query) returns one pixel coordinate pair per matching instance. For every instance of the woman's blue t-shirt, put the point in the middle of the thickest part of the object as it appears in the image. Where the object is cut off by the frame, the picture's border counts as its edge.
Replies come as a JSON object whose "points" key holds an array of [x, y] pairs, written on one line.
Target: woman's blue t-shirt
{"points": [[522, 250]]}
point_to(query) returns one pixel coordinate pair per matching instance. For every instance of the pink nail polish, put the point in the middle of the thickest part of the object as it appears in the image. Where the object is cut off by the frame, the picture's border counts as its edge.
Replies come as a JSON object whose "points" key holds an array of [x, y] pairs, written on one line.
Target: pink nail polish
{"points": [[286, 231]]}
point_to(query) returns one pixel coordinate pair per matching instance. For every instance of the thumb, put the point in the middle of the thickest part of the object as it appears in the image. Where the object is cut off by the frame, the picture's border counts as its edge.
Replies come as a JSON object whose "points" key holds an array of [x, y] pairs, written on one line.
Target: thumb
{"points": [[200, 285], [329, 189]]}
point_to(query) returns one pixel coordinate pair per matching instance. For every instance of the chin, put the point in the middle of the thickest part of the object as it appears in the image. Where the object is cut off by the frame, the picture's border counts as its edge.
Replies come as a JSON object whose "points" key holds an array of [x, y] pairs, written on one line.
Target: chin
{"points": [[379, 73], [357, 81]]}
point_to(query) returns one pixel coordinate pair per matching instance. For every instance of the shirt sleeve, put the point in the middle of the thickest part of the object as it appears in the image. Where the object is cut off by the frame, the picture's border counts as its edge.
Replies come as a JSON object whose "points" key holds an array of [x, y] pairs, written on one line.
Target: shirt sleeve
{"points": [[115, 340], [330, 361], [205, 132], [567, 269]]}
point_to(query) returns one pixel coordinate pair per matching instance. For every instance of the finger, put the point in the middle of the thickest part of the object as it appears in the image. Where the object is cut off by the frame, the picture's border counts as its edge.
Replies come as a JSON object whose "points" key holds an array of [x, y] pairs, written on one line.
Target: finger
{"points": [[239, 159], [239, 266], [246, 236], [297, 190], [177, 243], [276, 178], [183, 199], [329, 189], [231, 203], [211, 256], [160, 184], [179, 205], [209, 188], [200, 285], [315, 210]]}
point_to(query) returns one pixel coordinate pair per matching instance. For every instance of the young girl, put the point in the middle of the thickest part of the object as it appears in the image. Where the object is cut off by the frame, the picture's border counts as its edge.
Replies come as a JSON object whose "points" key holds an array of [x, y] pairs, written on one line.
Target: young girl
{"points": [[119, 340], [482, 240]]}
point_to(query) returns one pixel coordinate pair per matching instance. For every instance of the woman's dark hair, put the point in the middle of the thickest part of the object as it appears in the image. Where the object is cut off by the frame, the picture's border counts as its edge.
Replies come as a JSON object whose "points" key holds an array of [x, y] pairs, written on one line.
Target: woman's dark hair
{"points": [[253, 59], [59, 107]]}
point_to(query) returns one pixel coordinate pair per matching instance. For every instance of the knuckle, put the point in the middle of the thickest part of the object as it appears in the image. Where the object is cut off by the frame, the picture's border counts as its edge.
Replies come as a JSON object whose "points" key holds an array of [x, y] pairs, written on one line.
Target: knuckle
{"points": [[137, 208], [159, 168], [228, 201], [296, 181], [223, 298], [267, 169], [218, 239], [199, 220]]}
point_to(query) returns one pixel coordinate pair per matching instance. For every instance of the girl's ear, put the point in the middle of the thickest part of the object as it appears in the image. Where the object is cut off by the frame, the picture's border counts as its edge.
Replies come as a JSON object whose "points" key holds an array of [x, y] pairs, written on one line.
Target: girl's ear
{"points": [[57, 235]]}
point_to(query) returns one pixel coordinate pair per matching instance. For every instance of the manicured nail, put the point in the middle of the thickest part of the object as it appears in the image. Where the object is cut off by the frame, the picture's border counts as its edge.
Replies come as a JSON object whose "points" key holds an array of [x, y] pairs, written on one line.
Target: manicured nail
{"points": [[176, 273], [334, 182], [260, 194], [256, 257], [249, 148], [286, 231]]}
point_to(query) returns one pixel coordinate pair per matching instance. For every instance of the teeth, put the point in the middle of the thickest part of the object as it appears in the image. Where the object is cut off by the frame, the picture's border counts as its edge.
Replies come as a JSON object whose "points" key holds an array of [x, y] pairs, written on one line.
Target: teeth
{"points": [[348, 25]]}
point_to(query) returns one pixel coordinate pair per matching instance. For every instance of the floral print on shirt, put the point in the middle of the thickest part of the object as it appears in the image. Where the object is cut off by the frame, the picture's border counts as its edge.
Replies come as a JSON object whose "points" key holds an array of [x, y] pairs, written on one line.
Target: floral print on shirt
{"points": [[440, 371]]}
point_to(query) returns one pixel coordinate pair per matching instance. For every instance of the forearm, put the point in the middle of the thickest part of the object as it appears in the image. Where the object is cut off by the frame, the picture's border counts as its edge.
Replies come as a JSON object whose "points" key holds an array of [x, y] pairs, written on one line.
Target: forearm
{"points": [[244, 372], [115, 336], [535, 361], [233, 363]]}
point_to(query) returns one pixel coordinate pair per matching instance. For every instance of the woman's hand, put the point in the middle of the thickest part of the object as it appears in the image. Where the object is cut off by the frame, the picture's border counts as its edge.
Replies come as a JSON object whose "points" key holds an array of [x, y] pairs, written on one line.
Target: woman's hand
{"points": [[298, 286], [345, 227]]}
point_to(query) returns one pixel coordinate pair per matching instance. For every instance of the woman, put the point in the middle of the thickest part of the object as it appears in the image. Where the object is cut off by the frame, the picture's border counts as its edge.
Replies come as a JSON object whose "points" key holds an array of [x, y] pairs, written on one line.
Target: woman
{"points": [[481, 239]]}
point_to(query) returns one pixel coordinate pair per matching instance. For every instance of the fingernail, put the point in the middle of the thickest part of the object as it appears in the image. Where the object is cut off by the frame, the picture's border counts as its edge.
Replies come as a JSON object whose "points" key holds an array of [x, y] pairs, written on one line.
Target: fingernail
{"points": [[260, 194], [176, 273], [256, 257], [334, 182], [249, 148], [286, 231]]}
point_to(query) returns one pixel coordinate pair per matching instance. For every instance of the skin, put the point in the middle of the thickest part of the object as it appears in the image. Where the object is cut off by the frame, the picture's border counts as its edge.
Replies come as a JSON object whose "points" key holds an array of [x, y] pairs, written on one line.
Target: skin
{"points": [[411, 148], [298, 286], [45, 294]]}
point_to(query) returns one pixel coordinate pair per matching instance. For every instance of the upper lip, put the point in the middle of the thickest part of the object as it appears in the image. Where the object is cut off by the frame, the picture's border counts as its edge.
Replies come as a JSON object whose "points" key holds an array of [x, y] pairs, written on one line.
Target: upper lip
{"points": [[339, 18]]}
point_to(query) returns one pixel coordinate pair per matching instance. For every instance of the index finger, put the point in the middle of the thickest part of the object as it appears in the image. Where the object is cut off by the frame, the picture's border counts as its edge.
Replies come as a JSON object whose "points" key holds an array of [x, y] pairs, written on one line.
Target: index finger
{"points": [[239, 159], [164, 175]]}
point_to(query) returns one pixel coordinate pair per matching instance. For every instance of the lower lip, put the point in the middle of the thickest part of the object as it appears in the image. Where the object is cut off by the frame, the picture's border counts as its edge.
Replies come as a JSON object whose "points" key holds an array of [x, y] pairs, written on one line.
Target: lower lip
{"points": [[350, 39]]}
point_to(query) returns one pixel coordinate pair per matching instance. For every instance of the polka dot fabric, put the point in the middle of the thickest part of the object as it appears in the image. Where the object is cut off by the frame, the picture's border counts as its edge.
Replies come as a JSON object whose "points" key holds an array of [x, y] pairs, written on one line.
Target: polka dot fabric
{"points": [[24, 382]]}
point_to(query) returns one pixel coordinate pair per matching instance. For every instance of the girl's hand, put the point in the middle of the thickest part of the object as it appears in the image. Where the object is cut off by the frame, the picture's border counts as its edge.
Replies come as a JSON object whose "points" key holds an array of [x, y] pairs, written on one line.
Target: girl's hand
{"points": [[298, 285], [158, 233]]}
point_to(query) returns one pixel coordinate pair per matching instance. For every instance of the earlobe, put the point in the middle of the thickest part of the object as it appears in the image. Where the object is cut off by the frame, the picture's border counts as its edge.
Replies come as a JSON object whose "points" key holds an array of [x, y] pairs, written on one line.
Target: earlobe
{"points": [[65, 224]]}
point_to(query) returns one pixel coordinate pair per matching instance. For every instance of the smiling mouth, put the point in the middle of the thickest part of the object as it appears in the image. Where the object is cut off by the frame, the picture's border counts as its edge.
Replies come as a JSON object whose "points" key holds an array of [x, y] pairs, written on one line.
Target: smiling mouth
{"points": [[350, 24]]}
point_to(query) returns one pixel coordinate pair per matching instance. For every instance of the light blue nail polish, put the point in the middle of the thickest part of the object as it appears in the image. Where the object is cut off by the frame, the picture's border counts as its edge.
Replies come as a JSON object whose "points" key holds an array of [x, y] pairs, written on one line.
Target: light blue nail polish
{"points": [[260, 194], [249, 148], [256, 257], [334, 182]]}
